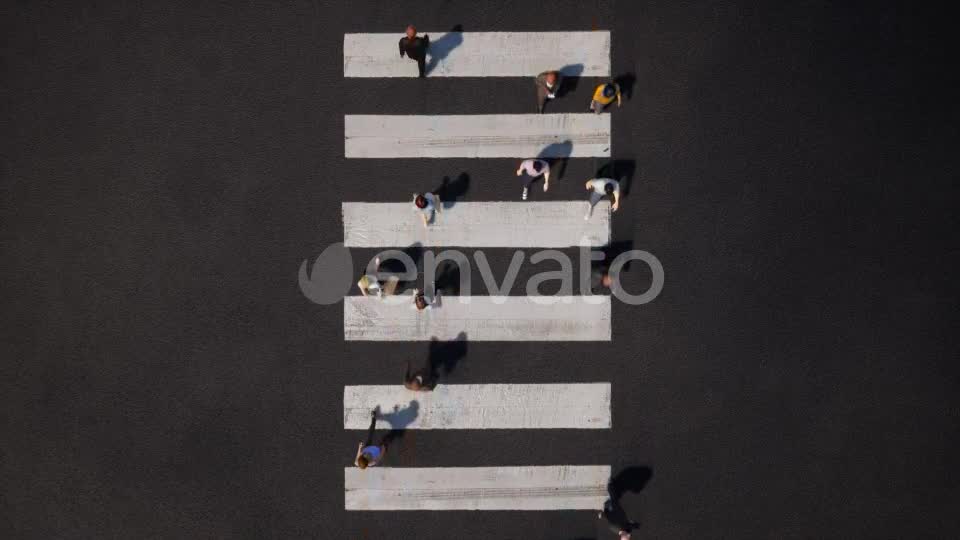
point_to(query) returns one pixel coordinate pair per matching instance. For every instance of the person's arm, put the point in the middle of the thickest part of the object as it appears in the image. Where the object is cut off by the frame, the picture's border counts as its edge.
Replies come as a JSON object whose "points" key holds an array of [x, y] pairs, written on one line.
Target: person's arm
{"points": [[401, 47], [617, 86], [437, 203], [363, 290], [588, 183], [546, 176], [423, 216], [616, 200], [356, 460], [556, 86]]}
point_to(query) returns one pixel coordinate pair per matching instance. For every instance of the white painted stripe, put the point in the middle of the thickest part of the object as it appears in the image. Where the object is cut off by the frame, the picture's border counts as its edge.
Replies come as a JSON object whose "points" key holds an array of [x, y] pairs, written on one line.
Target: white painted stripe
{"points": [[557, 487], [481, 54], [480, 406], [478, 318], [478, 224], [477, 136]]}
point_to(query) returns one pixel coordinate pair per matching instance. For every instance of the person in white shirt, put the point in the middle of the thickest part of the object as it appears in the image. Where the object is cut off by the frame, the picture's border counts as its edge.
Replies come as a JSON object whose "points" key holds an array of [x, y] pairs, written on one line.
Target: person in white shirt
{"points": [[370, 285], [427, 204], [600, 188], [534, 168], [423, 301]]}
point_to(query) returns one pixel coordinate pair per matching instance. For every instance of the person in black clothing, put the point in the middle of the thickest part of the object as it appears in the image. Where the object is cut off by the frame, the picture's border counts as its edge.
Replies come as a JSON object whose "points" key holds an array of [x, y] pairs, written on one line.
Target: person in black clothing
{"points": [[617, 519], [415, 48]]}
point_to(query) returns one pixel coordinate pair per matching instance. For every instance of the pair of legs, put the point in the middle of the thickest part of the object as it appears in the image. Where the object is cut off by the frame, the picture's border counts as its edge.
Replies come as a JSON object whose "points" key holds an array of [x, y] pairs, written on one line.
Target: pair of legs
{"points": [[542, 98], [596, 106], [420, 55], [594, 199], [528, 181]]}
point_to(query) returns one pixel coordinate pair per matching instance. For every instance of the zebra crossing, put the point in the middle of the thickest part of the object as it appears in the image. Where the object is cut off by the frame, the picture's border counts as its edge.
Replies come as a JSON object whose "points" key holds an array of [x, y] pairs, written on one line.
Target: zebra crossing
{"points": [[493, 405], [482, 54], [477, 225], [482, 318], [481, 406], [477, 136]]}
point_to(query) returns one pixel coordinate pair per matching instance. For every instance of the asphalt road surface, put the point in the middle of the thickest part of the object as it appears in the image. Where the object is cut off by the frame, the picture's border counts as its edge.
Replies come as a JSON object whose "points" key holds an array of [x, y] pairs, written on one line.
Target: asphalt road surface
{"points": [[167, 167]]}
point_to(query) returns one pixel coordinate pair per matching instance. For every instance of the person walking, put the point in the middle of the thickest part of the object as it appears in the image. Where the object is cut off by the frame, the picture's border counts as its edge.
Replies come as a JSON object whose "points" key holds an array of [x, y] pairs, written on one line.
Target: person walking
{"points": [[419, 381], [604, 95], [369, 454], [534, 168], [415, 48], [547, 83], [422, 301], [427, 204], [600, 188], [370, 285], [617, 520]]}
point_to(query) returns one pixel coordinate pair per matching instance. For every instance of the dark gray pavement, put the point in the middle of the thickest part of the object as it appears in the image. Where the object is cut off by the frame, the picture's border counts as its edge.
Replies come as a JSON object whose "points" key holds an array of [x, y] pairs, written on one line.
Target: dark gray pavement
{"points": [[165, 168]]}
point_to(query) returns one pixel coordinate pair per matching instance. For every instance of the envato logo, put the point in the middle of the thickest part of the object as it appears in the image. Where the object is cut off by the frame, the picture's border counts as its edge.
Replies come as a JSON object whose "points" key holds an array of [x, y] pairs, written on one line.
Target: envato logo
{"points": [[332, 275]]}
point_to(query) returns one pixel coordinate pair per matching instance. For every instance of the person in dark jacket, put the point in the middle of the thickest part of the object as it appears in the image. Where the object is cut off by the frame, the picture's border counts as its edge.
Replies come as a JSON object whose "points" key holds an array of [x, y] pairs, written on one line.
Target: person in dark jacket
{"points": [[548, 83], [415, 48]]}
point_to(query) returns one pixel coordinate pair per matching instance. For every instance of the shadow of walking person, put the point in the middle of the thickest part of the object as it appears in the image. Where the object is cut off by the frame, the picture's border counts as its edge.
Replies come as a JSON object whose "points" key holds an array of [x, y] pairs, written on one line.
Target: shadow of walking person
{"points": [[632, 480], [398, 420], [444, 356], [557, 154], [440, 48], [449, 191], [571, 79]]}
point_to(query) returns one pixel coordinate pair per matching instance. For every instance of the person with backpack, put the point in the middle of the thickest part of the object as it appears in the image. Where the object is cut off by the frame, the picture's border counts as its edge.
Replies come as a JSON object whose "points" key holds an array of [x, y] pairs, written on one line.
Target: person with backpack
{"points": [[604, 95]]}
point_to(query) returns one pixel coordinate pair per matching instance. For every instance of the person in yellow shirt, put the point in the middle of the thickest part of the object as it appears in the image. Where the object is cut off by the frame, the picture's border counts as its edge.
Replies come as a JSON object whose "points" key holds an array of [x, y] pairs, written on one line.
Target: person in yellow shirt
{"points": [[604, 95]]}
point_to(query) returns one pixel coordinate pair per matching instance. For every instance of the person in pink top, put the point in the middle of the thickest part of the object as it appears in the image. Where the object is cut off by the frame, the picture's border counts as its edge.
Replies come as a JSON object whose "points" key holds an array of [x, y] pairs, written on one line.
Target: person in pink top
{"points": [[533, 169]]}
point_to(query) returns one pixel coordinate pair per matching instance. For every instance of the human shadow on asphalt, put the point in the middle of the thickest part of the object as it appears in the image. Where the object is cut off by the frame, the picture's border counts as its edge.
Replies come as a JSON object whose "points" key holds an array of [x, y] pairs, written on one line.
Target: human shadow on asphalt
{"points": [[443, 356], [557, 154], [571, 79], [626, 82], [628, 480], [397, 267], [447, 281], [439, 49], [450, 191], [621, 170], [399, 419]]}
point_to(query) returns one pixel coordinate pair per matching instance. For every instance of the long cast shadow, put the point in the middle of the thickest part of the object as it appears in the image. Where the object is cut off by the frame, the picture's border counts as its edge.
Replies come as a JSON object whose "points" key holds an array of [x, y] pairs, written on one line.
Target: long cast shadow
{"points": [[399, 419], [447, 280], [571, 79], [632, 480], [444, 356], [397, 266], [626, 82], [557, 154], [439, 49], [450, 191]]}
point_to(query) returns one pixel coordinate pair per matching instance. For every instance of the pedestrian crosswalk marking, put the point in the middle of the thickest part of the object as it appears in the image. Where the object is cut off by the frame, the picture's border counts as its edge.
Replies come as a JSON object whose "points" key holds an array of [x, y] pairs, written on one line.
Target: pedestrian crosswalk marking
{"points": [[477, 136], [479, 318], [555, 487], [516, 224], [481, 54], [480, 406]]}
